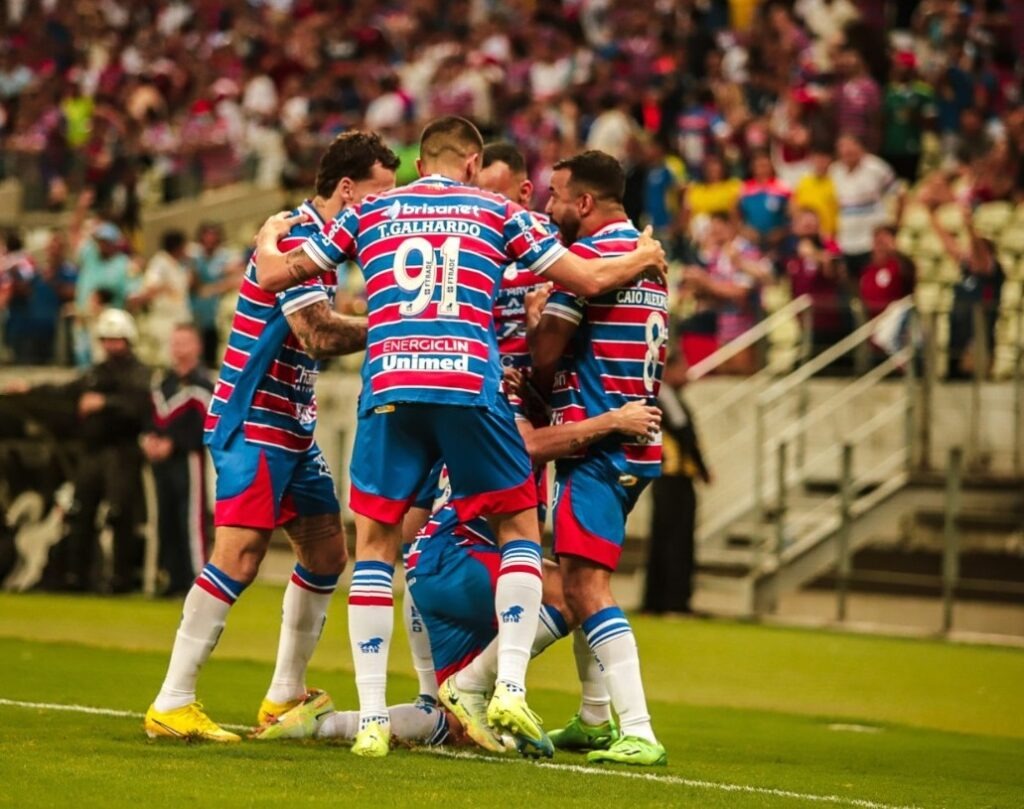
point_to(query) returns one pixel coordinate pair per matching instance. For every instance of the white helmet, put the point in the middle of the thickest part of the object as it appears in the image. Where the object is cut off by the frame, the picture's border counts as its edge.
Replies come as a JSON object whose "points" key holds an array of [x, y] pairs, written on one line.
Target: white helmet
{"points": [[116, 324]]}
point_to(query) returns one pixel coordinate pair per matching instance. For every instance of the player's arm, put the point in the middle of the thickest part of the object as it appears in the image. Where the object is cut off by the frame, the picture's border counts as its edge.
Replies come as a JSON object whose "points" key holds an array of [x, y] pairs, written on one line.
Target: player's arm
{"points": [[276, 271], [324, 333], [594, 276], [548, 343], [322, 251], [550, 443]]}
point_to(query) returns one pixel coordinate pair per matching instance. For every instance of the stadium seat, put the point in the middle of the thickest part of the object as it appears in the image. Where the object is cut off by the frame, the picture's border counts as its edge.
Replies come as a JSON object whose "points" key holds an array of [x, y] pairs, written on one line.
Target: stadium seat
{"points": [[916, 218], [991, 218], [906, 241], [926, 295], [951, 217]]}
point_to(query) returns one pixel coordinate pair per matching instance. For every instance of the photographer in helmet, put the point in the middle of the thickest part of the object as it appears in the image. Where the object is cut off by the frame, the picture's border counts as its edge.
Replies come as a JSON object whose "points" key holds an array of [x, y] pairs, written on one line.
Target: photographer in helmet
{"points": [[113, 407]]}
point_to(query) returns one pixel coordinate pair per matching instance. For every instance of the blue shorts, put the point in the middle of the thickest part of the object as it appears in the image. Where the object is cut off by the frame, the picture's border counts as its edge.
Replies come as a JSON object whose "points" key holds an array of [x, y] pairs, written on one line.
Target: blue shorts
{"points": [[592, 500], [452, 580], [263, 487], [396, 446]]}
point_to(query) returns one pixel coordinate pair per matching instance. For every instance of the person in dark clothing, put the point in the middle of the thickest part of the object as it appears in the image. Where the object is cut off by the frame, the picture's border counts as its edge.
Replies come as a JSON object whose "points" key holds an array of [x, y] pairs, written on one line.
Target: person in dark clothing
{"points": [[174, 447], [670, 561], [113, 407]]}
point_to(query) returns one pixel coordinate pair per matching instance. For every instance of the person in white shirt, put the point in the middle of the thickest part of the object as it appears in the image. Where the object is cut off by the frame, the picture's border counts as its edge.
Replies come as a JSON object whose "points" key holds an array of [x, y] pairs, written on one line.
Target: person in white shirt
{"points": [[864, 183], [164, 295]]}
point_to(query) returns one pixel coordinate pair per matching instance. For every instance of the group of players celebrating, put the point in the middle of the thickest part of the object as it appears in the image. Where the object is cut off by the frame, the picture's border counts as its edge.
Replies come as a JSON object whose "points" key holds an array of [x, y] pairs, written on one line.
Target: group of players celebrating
{"points": [[496, 340]]}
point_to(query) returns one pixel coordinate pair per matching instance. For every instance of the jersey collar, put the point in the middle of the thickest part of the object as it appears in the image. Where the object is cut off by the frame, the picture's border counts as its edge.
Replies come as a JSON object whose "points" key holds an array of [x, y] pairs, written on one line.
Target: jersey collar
{"points": [[307, 207], [612, 226]]}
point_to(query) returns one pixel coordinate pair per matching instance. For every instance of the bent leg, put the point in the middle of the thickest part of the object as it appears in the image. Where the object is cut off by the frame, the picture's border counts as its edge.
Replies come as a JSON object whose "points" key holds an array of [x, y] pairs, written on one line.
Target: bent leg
{"points": [[319, 545]]}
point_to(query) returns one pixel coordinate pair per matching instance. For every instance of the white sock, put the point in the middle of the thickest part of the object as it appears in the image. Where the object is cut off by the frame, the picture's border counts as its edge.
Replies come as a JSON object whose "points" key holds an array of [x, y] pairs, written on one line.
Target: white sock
{"points": [[339, 725], [482, 670], [371, 621], [595, 708], [409, 723], [517, 599], [419, 724], [611, 639], [302, 622], [419, 645], [202, 620]]}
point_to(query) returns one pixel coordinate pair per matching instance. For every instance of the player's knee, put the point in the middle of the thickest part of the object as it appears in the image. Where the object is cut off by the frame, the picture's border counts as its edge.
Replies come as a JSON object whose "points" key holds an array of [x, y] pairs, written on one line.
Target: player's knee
{"points": [[239, 553], [327, 558]]}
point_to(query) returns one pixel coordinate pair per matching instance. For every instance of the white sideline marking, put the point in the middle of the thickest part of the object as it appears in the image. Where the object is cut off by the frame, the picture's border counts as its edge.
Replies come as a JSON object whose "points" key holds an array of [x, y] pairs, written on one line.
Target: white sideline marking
{"points": [[673, 779], [573, 768], [844, 727]]}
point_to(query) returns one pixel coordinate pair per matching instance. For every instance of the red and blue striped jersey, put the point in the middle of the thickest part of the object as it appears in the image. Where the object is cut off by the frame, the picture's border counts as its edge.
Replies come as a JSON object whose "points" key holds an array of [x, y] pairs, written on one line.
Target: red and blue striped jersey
{"points": [[444, 520], [433, 253], [510, 314], [266, 380], [615, 356]]}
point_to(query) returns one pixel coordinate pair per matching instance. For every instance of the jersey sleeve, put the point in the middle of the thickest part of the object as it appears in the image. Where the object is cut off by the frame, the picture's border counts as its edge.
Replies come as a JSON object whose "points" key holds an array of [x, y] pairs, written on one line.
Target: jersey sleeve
{"points": [[565, 304], [529, 242], [305, 294], [335, 245]]}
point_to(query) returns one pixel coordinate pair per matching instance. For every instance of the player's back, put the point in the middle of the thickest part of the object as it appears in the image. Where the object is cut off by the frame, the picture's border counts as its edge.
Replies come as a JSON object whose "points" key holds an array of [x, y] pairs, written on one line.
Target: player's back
{"points": [[433, 254], [617, 353], [265, 386]]}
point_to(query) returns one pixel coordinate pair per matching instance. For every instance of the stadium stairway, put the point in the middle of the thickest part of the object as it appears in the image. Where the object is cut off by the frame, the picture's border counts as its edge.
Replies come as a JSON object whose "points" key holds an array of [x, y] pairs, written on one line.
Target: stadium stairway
{"points": [[772, 523]]}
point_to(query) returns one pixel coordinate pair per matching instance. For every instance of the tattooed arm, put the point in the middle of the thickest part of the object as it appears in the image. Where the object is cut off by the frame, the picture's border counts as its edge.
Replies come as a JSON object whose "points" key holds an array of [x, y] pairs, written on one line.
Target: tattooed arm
{"points": [[550, 443], [277, 271], [324, 333]]}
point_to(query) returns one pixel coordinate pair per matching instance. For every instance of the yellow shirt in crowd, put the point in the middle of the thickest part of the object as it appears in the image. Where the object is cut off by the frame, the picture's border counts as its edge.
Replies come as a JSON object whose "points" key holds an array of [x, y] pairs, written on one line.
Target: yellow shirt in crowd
{"points": [[709, 198], [819, 195]]}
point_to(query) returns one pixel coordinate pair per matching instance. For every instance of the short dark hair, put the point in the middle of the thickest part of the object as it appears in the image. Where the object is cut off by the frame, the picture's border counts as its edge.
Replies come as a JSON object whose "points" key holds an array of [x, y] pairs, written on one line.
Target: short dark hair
{"points": [[450, 134], [596, 172], [172, 240], [352, 155], [504, 152], [720, 216]]}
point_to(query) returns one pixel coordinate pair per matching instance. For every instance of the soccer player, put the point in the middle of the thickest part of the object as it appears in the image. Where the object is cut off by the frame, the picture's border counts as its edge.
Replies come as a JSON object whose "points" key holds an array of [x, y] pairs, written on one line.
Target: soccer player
{"points": [[504, 172], [451, 568], [432, 255], [612, 348], [270, 471]]}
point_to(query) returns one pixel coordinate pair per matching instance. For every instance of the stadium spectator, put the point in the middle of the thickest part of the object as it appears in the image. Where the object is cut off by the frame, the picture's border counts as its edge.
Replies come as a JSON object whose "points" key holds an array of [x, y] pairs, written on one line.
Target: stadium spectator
{"points": [[164, 294], [764, 204], [812, 263], [174, 446], [728, 283], [980, 285], [664, 181], [858, 99], [713, 193], [38, 296], [888, 276], [863, 184], [909, 110], [215, 270], [816, 192], [113, 406]]}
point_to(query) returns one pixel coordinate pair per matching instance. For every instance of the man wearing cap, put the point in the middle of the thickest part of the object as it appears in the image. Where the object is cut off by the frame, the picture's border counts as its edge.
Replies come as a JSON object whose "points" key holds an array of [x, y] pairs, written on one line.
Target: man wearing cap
{"points": [[103, 265], [113, 405]]}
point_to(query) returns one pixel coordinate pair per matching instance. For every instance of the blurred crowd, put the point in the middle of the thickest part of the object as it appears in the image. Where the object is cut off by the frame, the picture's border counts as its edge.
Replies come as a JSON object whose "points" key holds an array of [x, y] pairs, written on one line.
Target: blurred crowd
{"points": [[768, 142]]}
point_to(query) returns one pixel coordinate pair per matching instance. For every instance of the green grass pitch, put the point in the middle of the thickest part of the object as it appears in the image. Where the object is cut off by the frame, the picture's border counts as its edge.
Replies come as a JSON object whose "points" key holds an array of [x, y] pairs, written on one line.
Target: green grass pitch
{"points": [[752, 716]]}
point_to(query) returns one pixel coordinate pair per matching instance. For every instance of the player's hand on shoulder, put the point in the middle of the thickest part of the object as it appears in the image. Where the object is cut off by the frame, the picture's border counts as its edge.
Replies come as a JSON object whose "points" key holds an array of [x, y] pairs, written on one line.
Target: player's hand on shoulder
{"points": [[638, 419], [278, 226], [654, 254]]}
